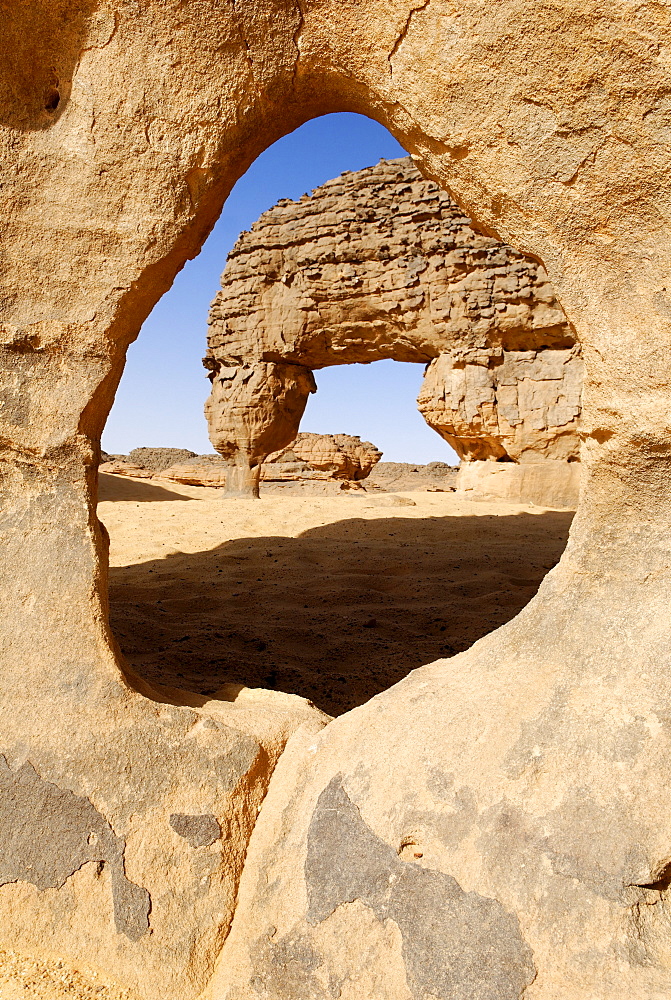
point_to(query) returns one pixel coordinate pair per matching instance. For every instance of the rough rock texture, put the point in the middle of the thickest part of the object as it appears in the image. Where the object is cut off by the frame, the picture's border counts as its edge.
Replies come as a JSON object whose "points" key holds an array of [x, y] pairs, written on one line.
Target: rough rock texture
{"points": [[120, 467], [342, 456], [534, 765], [406, 477], [308, 457], [547, 484], [520, 406], [197, 474], [383, 264], [158, 459], [253, 411]]}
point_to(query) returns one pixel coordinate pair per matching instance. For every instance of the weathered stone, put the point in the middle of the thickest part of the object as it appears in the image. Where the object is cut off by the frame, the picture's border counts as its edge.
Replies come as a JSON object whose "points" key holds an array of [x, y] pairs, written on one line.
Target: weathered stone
{"points": [[119, 467], [454, 943], [521, 406], [533, 766], [158, 459], [252, 412], [383, 264], [200, 831], [197, 474], [342, 456], [405, 476], [308, 457], [548, 484], [48, 833]]}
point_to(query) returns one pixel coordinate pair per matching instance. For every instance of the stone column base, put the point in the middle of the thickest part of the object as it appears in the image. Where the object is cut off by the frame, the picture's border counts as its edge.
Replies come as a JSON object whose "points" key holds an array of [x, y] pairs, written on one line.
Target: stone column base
{"points": [[548, 483]]}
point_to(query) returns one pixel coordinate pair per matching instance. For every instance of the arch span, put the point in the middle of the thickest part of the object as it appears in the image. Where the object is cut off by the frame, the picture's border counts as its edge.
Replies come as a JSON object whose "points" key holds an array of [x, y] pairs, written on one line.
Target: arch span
{"points": [[381, 264]]}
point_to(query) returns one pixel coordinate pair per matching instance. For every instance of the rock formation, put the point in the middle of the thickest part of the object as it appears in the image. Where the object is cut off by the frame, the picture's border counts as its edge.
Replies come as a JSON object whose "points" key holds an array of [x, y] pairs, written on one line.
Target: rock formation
{"points": [[252, 411], [308, 457], [531, 771], [158, 459], [197, 473], [518, 406], [121, 467], [341, 456], [383, 264], [404, 476]]}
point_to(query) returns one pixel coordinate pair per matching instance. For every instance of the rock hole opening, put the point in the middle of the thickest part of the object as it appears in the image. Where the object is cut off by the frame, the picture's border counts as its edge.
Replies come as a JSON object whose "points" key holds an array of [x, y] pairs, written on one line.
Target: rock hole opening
{"points": [[52, 99], [335, 586]]}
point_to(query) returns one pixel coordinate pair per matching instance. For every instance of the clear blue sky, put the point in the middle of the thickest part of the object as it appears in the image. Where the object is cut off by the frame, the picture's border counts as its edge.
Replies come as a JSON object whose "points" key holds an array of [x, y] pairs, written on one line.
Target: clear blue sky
{"points": [[161, 395]]}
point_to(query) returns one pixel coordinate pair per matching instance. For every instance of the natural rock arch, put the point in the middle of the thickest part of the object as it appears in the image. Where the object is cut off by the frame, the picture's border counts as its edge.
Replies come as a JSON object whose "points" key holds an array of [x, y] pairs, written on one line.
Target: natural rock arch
{"points": [[382, 264], [536, 762]]}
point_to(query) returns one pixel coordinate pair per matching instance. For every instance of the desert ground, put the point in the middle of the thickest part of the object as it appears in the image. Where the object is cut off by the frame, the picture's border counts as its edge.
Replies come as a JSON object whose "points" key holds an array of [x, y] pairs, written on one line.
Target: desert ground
{"points": [[334, 598]]}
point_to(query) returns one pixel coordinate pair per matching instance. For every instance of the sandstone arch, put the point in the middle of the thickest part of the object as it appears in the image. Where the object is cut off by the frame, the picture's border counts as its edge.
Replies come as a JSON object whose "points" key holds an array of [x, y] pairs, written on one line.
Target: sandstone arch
{"points": [[547, 743], [381, 264]]}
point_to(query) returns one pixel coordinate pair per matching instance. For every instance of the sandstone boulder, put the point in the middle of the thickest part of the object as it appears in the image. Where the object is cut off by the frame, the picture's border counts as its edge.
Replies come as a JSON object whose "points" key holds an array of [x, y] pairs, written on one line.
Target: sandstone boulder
{"points": [[342, 456]]}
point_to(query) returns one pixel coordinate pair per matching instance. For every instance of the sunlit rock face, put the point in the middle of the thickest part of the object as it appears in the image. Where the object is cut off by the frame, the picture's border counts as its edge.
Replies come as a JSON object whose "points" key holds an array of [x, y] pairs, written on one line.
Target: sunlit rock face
{"points": [[340, 456], [531, 771], [381, 263]]}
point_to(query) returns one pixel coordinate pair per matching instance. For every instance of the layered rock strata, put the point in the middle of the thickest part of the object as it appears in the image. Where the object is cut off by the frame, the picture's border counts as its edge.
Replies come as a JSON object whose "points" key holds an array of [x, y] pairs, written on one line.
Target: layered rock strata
{"points": [[383, 264]]}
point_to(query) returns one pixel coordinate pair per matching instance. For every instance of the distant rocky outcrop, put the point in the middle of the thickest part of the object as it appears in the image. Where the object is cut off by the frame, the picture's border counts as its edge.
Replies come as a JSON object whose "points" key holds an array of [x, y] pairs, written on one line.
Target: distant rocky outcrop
{"points": [[378, 264], [200, 472], [158, 459], [310, 458], [340, 456], [406, 477], [122, 467]]}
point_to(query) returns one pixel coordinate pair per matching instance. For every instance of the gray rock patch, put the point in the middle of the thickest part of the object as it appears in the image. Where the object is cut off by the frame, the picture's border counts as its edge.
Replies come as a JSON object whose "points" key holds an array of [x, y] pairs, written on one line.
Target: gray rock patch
{"points": [[200, 831], [456, 945], [47, 833], [232, 766]]}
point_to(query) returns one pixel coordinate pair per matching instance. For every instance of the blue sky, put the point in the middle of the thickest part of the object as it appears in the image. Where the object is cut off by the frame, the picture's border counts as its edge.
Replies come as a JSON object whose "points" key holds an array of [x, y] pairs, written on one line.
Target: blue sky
{"points": [[161, 395]]}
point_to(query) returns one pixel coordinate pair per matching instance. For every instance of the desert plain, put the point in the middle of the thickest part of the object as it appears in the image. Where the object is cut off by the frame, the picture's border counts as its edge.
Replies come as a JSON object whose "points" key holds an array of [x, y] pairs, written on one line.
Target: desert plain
{"points": [[347, 594]]}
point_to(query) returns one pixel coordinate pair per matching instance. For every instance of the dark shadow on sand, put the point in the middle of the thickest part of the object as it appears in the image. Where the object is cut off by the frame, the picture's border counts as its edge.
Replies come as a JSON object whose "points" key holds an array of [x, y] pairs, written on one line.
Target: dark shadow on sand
{"points": [[137, 490], [338, 614]]}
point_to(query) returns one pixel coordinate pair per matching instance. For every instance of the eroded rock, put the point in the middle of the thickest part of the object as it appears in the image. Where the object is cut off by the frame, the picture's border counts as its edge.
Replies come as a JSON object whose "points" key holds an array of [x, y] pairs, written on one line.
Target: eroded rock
{"points": [[535, 765], [520, 406], [341, 456], [158, 459], [381, 263], [252, 412], [120, 467], [197, 473]]}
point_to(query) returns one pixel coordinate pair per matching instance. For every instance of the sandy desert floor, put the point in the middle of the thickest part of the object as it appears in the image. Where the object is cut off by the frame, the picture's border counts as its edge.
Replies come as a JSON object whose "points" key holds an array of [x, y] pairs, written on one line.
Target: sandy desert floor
{"points": [[333, 598]]}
